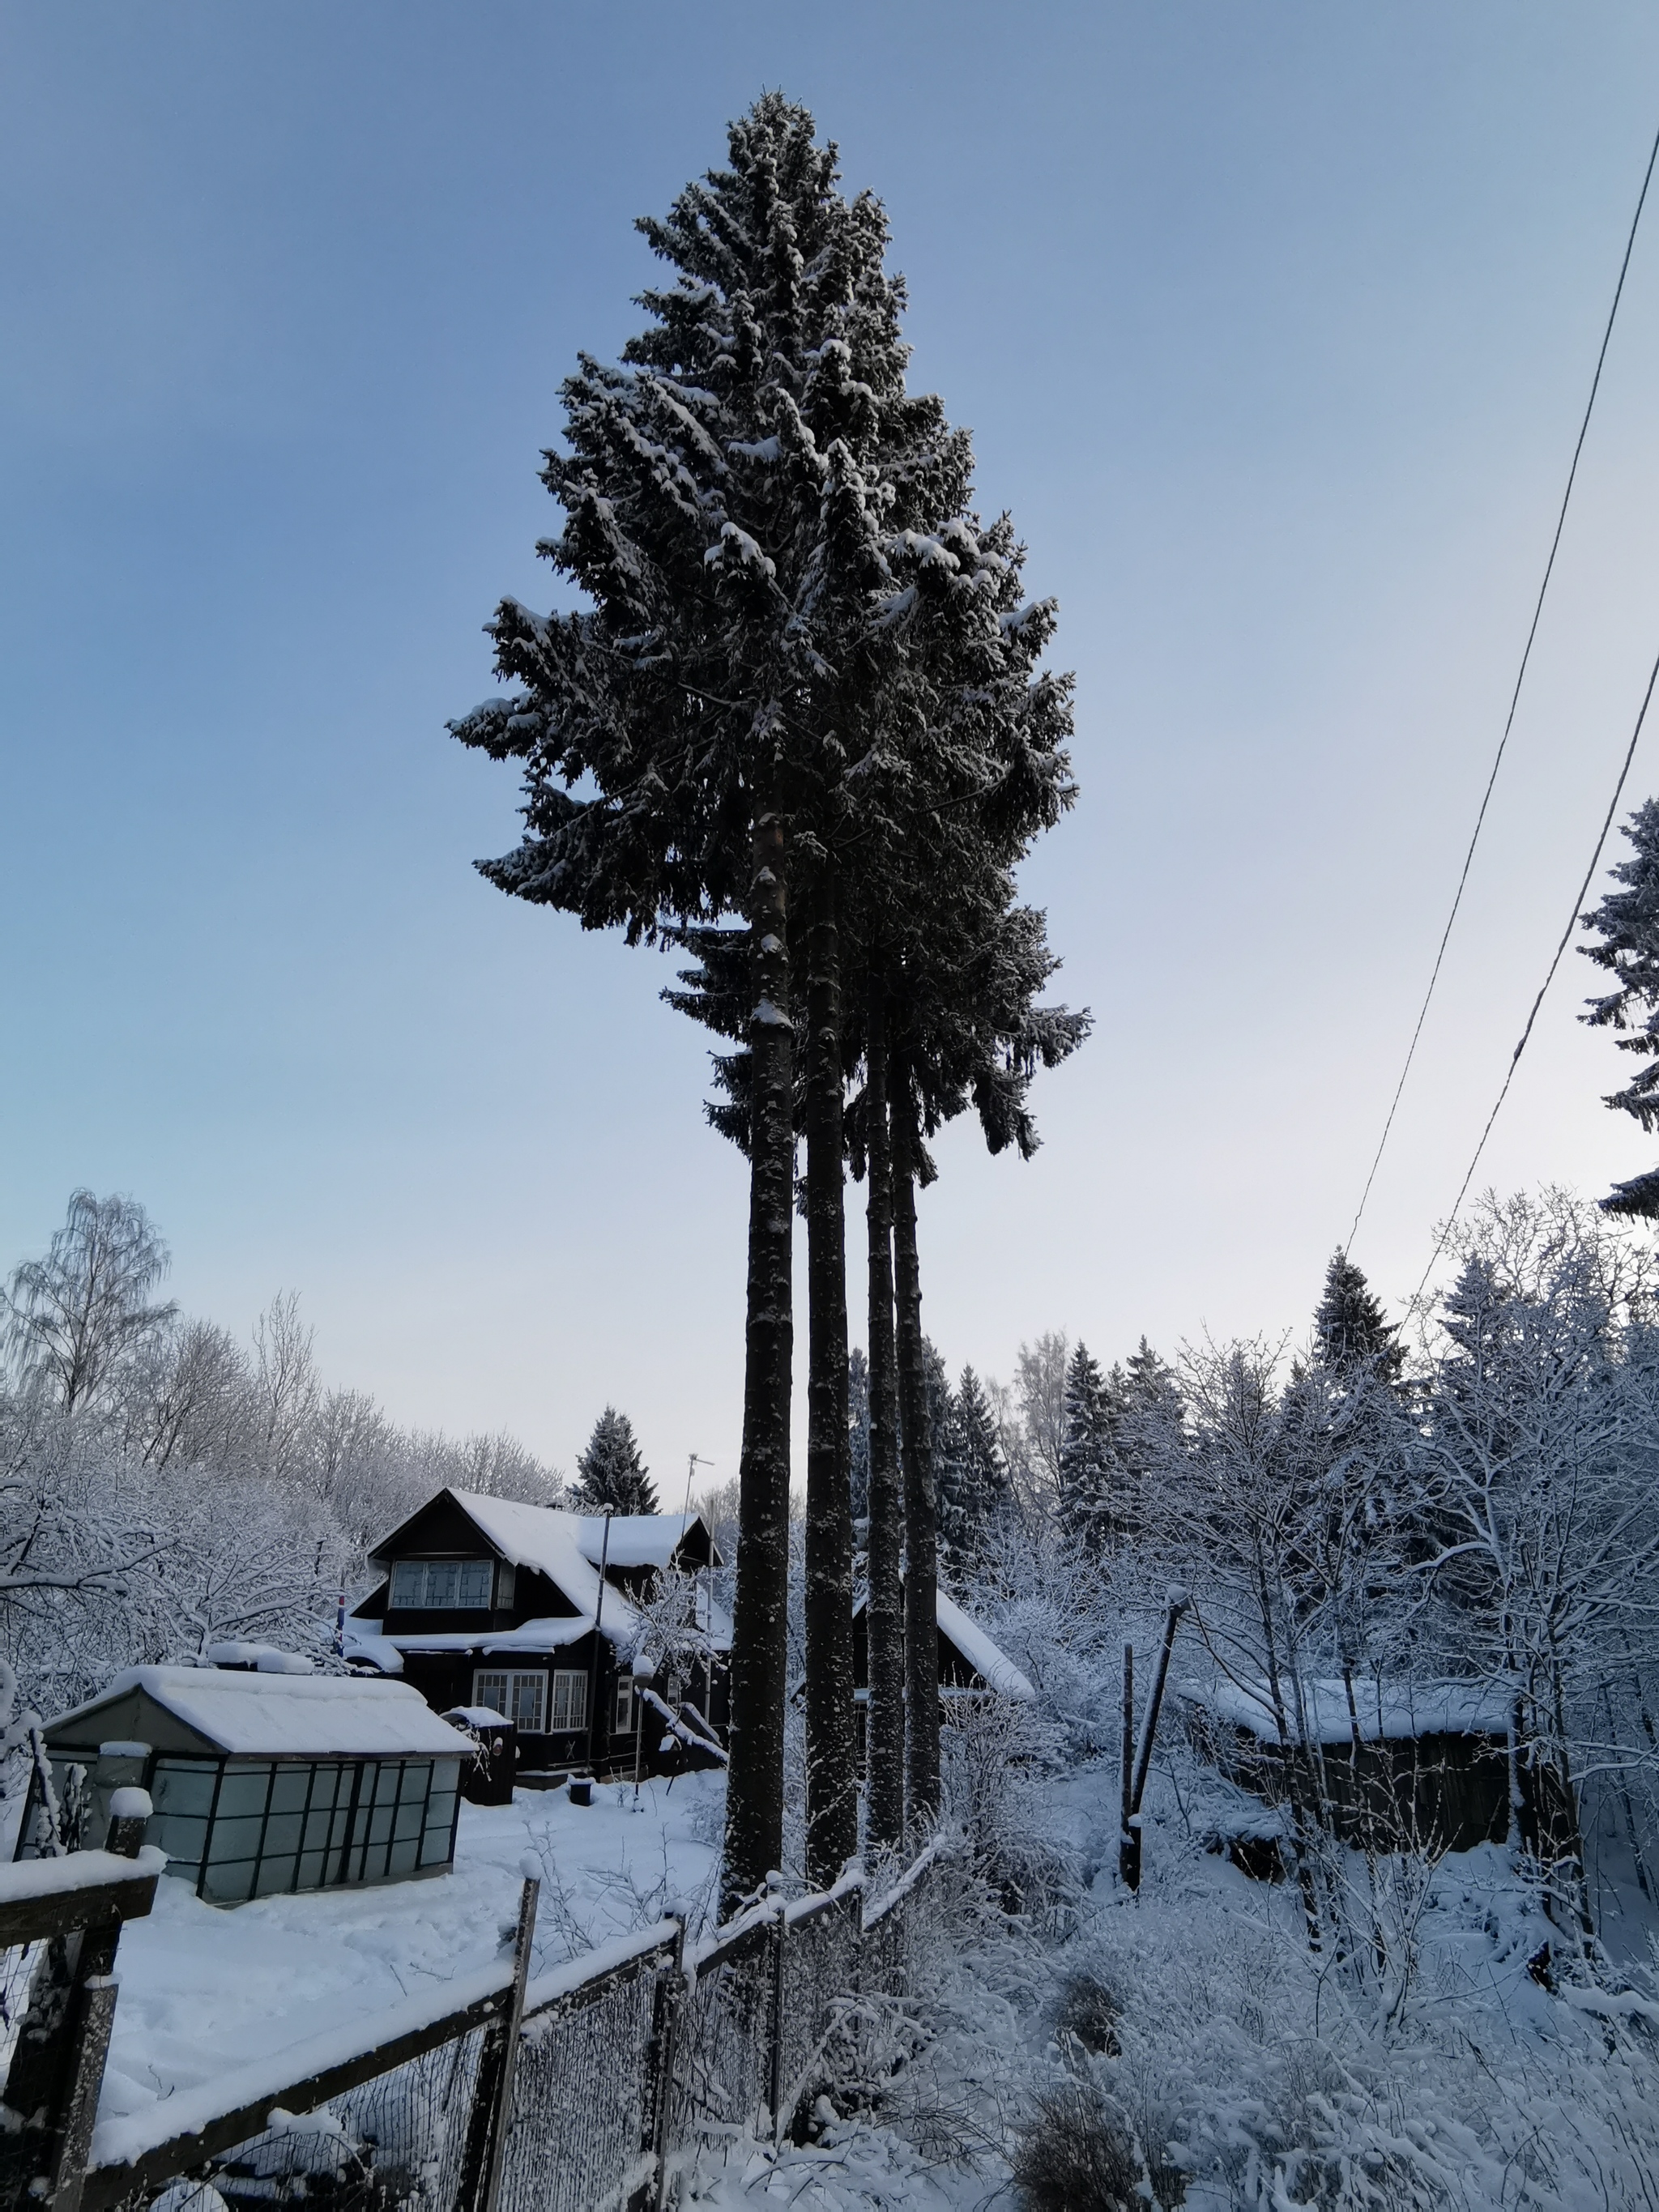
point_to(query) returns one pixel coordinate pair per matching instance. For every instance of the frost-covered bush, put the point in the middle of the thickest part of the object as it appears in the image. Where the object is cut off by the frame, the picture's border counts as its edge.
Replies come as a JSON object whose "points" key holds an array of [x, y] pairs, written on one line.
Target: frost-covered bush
{"points": [[996, 1756], [1075, 2155]]}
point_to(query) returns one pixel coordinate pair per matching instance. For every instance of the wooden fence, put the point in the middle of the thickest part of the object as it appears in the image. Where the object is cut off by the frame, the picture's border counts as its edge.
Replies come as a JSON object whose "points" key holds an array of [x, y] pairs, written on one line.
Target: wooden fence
{"points": [[584, 2089]]}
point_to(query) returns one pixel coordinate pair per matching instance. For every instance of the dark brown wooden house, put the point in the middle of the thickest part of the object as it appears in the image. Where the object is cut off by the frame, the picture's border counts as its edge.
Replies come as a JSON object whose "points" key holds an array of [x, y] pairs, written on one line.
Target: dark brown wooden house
{"points": [[489, 1604], [1413, 1765]]}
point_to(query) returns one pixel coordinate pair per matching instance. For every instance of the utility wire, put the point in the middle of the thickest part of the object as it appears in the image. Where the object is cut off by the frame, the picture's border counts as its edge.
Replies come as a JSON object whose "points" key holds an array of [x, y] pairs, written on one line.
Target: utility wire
{"points": [[1515, 697], [1515, 1057]]}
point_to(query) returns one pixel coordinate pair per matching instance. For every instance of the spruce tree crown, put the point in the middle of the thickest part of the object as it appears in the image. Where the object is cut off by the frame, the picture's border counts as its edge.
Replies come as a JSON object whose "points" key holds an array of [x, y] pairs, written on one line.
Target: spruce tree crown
{"points": [[612, 1474]]}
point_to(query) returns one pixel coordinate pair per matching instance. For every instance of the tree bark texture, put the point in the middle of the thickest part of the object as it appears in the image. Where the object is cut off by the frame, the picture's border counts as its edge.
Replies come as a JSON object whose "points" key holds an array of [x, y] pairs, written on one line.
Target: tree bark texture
{"points": [[885, 1612], [921, 1504], [754, 1804], [832, 1805]]}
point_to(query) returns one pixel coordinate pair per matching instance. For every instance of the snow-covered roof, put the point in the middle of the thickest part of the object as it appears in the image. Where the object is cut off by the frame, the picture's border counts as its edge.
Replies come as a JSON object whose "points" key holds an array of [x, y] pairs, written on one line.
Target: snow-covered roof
{"points": [[265, 1658], [553, 1634], [1394, 1711], [287, 1716], [566, 1547], [986, 1656], [987, 1659], [637, 1539]]}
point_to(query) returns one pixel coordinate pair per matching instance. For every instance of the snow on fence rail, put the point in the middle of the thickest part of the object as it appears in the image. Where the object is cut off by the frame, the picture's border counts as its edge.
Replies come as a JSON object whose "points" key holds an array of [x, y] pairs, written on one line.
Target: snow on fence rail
{"points": [[586, 2087]]}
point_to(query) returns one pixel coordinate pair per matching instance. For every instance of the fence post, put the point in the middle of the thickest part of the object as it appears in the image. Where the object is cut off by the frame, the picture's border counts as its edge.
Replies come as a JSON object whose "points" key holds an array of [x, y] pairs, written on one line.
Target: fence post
{"points": [[665, 2001], [1128, 1840], [491, 2114], [774, 2021], [71, 2016]]}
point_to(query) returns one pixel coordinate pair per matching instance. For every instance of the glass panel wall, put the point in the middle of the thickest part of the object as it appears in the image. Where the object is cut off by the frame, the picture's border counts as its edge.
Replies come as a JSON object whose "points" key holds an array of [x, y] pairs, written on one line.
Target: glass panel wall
{"points": [[243, 1828]]}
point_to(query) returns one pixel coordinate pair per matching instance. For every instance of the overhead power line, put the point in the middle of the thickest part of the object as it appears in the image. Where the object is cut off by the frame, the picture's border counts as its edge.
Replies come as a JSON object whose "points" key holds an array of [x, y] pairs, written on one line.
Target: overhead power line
{"points": [[1549, 977], [1515, 697]]}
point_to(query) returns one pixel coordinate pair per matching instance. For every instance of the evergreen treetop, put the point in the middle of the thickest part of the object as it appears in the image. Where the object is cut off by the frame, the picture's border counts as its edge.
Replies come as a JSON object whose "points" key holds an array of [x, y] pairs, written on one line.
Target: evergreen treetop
{"points": [[611, 1472], [1086, 1453], [791, 606], [1351, 1329]]}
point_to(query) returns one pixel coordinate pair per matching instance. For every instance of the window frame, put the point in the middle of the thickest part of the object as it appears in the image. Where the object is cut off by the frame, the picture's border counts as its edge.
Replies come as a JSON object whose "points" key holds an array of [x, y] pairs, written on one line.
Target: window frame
{"points": [[624, 1706], [576, 1698], [511, 1676], [421, 1570]]}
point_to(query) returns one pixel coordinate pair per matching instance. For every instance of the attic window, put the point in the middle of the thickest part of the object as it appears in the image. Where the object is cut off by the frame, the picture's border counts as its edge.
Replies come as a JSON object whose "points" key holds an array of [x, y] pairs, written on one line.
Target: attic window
{"points": [[441, 1586]]}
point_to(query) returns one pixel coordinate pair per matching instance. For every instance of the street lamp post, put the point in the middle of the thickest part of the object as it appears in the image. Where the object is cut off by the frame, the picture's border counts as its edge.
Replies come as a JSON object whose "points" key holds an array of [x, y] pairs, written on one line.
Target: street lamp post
{"points": [[598, 1618]]}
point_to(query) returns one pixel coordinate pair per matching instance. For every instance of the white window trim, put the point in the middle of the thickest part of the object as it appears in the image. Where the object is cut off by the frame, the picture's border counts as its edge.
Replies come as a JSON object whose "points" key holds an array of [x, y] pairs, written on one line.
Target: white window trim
{"points": [[569, 1696], [511, 1677], [624, 1707]]}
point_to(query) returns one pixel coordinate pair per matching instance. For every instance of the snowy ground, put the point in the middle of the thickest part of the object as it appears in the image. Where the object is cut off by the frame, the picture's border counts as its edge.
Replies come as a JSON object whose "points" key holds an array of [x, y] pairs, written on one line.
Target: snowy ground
{"points": [[1240, 2058], [204, 1990]]}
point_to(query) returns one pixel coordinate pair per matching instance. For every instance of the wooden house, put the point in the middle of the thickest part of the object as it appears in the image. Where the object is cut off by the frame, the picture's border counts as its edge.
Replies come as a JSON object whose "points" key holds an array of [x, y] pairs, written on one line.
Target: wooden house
{"points": [[972, 1667], [491, 1605], [262, 1780], [1410, 1765]]}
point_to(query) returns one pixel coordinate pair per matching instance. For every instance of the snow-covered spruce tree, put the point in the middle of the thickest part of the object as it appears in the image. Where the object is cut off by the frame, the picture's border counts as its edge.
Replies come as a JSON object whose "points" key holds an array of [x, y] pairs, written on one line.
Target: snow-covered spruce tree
{"points": [[751, 499], [1627, 923], [1086, 1458], [1350, 1327], [611, 1474], [1147, 1411], [957, 746], [974, 1496]]}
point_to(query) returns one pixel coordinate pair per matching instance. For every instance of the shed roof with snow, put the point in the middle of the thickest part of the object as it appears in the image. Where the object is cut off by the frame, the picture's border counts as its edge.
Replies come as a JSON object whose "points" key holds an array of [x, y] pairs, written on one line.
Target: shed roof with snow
{"points": [[259, 1716], [1383, 1712], [266, 1782], [969, 1661]]}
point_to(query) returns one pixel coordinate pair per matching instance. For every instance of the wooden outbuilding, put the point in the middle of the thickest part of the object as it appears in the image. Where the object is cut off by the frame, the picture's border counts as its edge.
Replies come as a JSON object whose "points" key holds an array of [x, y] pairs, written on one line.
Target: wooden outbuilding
{"points": [[1410, 1765], [262, 1781], [972, 1668]]}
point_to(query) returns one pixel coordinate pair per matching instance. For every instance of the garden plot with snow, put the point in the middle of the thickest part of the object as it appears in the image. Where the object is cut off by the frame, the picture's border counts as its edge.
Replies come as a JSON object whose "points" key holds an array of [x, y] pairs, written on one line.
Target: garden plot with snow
{"points": [[206, 1990]]}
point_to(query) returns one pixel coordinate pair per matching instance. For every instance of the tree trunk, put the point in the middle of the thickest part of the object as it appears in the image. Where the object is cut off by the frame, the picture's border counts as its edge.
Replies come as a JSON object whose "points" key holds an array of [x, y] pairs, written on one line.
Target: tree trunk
{"points": [[832, 1804], [754, 1802], [884, 1613], [920, 1508]]}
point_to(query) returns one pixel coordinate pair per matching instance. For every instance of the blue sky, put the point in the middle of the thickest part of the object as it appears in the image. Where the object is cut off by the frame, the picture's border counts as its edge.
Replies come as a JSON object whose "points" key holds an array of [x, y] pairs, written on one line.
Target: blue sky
{"points": [[1272, 323]]}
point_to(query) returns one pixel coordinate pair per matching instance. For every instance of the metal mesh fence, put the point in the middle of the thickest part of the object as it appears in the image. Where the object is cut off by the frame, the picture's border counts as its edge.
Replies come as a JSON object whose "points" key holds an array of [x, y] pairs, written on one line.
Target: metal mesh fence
{"points": [[17, 1971], [821, 1968], [758, 2025], [722, 2044], [581, 2098], [396, 2140]]}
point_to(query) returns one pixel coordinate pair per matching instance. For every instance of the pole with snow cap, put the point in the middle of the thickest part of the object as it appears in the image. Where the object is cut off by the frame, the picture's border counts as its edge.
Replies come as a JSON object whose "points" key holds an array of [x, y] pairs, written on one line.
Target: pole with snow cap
{"points": [[598, 1618]]}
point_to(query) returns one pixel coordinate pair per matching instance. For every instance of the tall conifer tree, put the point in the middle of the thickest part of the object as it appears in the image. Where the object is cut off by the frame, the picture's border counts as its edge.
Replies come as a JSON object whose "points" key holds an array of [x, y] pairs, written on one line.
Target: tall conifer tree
{"points": [[1086, 1456], [1627, 923]]}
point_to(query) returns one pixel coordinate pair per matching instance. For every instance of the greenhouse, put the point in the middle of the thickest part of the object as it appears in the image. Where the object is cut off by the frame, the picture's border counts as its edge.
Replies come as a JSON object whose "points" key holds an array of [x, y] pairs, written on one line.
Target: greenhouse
{"points": [[262, 1782]]}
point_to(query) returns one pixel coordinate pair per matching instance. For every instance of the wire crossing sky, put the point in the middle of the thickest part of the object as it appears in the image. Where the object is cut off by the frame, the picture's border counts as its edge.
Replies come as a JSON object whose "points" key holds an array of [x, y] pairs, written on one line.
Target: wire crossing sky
{"points": [[1498, 758], [1273, 327]]}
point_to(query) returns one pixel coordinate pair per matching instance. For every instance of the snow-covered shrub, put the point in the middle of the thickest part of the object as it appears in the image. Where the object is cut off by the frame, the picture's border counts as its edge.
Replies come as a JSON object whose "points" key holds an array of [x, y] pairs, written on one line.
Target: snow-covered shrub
{"points": [[1078, 2154], [996, 1755]]}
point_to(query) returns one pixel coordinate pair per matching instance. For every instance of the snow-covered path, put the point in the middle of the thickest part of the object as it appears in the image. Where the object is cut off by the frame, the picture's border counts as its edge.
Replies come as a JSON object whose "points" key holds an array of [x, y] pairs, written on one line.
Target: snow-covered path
{"points": [[204, 1990]]}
